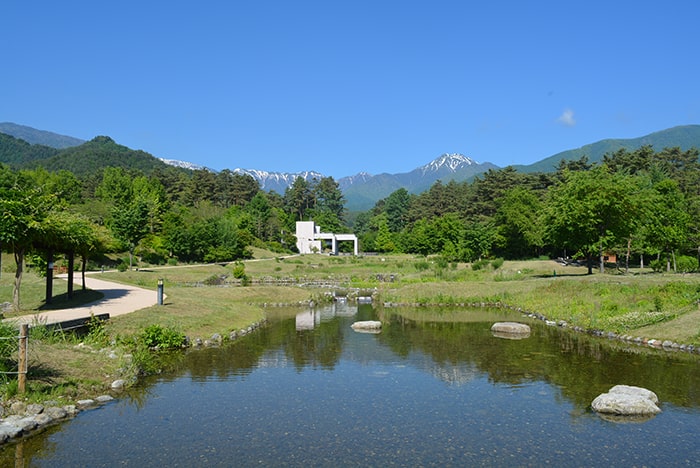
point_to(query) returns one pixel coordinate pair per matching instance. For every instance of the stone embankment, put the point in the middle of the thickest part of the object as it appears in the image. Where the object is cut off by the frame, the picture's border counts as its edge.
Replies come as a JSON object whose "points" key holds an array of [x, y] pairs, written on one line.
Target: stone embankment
{"points": [[26, 419], [666, 345]]}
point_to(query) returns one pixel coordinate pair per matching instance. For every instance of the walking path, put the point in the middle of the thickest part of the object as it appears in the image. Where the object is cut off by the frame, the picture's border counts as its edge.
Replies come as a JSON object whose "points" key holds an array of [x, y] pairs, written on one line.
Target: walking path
{"points": [[118, 299]]}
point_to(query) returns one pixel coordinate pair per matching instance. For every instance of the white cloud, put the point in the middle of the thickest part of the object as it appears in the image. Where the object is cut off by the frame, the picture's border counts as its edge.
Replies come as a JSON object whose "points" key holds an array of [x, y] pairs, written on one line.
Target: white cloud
{"points": [[567, 118]]}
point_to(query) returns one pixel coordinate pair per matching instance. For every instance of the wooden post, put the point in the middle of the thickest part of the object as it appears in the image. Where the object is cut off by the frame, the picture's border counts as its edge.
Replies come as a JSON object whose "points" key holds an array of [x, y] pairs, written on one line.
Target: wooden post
{"points": [[22, 365]]}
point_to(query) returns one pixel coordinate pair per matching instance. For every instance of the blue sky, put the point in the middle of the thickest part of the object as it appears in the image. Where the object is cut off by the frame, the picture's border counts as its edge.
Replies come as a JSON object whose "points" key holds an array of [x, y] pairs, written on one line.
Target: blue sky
{"points": [[346, 86]]}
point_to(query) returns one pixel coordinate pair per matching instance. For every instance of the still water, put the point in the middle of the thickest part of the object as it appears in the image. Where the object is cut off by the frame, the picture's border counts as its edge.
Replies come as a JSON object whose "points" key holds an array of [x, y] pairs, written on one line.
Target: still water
{"points": [[435, 388]]}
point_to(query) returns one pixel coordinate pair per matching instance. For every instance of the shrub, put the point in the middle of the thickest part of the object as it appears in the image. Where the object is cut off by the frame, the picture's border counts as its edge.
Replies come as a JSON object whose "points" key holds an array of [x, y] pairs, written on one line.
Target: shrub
{"points": [[497, 263], [686, 264], [239, 270], [479, 264], [657, 265], [156, 336]]}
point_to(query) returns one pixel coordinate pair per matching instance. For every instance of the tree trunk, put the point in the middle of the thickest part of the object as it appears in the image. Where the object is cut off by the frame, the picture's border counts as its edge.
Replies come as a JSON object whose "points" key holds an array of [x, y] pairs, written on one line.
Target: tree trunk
{"points": [[641, 261], [627, 256], [602, 262], [589, 260], [19, 260], [71, 267], [673, 256], [82, 270], [49, 276]]}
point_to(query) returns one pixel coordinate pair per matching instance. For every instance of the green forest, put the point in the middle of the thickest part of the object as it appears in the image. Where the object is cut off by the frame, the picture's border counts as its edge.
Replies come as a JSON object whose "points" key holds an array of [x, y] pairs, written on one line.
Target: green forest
{"points": [[641, 206]]}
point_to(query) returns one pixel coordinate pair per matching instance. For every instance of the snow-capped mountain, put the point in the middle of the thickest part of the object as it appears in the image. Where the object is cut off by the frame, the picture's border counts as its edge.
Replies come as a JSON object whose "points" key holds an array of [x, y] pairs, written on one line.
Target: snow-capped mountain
{"points": [[362, 190], [278, 181], [183, 164], [448, 166], [349, 181], [448, 161]]}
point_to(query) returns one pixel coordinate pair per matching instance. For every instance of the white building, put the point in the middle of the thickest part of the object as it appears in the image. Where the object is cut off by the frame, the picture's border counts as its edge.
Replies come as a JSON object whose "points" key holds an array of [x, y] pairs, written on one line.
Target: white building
{"points": [[309, 237]]}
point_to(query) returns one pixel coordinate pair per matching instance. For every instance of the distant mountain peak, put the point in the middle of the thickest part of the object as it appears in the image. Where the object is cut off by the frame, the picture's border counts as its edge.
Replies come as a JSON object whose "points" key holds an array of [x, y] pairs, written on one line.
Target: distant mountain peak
{"points": [[39, 137], [183, 164], [448, 161], [277, 181]]}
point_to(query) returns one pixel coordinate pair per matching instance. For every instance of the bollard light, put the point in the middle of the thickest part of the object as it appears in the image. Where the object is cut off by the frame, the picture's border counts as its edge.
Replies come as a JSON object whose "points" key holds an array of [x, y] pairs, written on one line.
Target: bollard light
{"points": [[160, 291]]}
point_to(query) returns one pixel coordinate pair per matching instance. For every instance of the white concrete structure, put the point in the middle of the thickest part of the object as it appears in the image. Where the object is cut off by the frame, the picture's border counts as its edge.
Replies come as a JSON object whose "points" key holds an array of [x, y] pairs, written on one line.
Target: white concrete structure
{"points": [[309, 237]]}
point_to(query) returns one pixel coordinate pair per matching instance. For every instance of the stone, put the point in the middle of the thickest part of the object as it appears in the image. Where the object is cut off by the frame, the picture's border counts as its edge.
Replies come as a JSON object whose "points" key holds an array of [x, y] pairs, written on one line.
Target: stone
{"points": [[56, 412], [9, 430], [118, 384], [367, 326], [18, 407], [627, 400], [43, 419], [82, 404], [104, 398], [34, 408], [508, 329], [28, 423]]}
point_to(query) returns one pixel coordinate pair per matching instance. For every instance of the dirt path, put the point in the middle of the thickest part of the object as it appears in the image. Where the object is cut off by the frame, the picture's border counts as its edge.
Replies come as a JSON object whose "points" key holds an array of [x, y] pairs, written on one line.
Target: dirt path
{"points": [[118, 299]]}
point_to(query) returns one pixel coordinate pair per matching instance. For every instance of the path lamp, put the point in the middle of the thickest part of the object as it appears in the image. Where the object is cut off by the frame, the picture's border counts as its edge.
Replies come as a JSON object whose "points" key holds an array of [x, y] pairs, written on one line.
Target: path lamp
{"points": [[160, 291]]}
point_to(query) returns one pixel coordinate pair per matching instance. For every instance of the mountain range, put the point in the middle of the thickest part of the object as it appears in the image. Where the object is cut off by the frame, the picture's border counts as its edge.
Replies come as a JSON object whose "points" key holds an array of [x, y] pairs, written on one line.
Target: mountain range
{"points": [[24, 146]]}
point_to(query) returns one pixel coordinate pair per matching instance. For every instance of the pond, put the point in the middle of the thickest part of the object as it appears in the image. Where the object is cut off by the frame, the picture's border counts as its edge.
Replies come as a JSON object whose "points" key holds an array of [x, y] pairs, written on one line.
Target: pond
{"points": [[434, 388]]}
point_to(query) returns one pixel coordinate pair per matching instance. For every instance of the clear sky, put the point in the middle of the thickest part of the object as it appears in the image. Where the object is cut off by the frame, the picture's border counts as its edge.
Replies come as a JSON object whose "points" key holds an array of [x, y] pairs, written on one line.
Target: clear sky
{"points": [[346, 86]]}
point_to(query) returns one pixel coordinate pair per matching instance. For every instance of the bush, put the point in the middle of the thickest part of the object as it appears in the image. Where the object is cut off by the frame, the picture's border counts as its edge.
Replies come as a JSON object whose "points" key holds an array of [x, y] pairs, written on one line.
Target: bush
{"points": [[497, 263], [480, 264], [156, 336], [658, 265], [239, 270], [686, 264]]}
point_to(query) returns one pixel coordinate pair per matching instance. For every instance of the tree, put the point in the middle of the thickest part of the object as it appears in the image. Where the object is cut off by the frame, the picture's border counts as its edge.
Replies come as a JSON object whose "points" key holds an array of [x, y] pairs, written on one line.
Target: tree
{"points": [[260, 210], [328, 197], [23, 208], [589, 211], [201, 187], [396, 207], [130, 223], [517, 221], [666, 226], [298, 198]]}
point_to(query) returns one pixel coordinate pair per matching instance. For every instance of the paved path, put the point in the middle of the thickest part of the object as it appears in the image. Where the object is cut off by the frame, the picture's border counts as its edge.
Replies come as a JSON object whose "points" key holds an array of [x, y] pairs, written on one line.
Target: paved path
{"points": [[118, 299]]}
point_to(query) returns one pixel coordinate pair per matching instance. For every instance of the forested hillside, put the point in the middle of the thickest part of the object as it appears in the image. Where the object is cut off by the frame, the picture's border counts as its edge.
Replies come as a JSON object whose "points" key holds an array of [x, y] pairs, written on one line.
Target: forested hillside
{"points": [[16, 152]]}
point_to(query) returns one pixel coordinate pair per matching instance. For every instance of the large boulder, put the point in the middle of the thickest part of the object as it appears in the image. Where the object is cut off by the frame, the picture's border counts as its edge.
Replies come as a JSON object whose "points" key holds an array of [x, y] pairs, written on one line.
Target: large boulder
{"points": [[510, 330], [625, 400]]}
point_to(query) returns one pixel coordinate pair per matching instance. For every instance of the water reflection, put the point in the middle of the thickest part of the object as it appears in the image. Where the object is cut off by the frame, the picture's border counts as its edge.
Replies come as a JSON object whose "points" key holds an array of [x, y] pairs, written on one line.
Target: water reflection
{"points": [[434, 388]]}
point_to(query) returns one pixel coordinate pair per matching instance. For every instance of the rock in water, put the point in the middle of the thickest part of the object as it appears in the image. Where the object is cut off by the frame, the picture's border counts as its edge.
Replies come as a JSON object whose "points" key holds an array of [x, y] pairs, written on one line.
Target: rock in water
{"points": [[626, 400], [510, 330], [367, 326]]}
